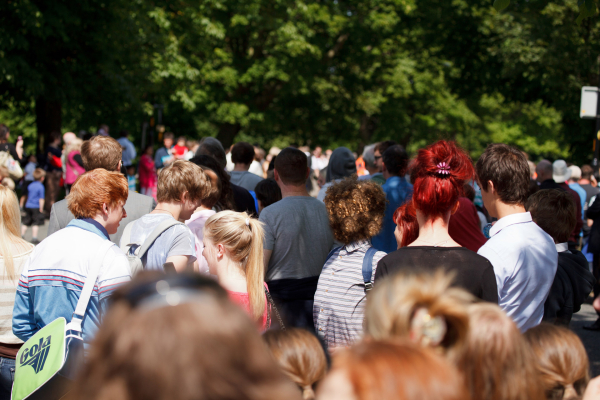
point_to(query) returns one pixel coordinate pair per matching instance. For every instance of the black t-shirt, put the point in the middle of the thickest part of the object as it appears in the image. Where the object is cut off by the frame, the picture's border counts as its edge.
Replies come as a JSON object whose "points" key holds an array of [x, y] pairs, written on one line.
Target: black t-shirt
{"points": [[474, 273]]}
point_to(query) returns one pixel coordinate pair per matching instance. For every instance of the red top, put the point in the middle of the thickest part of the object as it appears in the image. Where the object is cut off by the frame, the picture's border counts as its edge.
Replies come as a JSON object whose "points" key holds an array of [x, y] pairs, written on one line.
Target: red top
{"points": [[244, 300], [180, 150], [147, 172], [464, 226]]}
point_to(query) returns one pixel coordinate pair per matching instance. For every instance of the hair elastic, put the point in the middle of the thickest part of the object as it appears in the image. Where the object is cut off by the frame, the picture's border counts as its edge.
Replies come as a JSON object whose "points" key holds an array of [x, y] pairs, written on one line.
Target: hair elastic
{"points": [[247, 221], [443, 169], [427, 329]]}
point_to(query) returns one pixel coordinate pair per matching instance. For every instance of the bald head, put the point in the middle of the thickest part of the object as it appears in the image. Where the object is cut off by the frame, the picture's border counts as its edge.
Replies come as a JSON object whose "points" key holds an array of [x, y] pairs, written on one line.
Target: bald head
{"points": [[544, 170]]}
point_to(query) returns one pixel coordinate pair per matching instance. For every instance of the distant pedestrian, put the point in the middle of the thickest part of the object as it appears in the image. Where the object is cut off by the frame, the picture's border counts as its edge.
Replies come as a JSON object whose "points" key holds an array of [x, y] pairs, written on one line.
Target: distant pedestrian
{"points": [[34, 207]]}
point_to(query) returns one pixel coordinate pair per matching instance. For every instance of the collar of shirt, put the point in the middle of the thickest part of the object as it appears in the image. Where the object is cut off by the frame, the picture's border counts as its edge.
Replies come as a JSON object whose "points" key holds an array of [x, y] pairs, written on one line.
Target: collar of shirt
{"points": [[359, 244], [518, 218], [90, 225], [562, 247]]}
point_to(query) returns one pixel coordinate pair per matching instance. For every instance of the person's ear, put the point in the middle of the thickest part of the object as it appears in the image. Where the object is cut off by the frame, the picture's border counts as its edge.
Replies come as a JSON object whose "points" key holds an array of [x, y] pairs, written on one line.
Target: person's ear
{"points": [[491, 187], [220, 251], [184, 196], [455, 208], [383, 166], [120, 165], [105, 209], [307, 173], [276, 175]]}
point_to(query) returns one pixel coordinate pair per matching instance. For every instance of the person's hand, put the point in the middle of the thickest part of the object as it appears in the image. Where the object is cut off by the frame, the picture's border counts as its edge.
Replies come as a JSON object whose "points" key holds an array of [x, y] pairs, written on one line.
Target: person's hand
{"points": [[592, 392]]}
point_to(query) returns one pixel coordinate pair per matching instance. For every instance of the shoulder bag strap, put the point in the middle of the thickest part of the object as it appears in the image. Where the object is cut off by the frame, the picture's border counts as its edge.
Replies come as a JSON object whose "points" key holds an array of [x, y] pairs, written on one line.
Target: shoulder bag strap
{"points": [[331, 253], [88, 287], [367, 268], [274, 308], [163, 226]]}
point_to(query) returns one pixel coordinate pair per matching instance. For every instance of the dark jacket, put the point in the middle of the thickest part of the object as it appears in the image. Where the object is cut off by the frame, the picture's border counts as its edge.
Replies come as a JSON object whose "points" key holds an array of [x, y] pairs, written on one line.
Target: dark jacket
{"points": [[572, 285], [593, 213]]}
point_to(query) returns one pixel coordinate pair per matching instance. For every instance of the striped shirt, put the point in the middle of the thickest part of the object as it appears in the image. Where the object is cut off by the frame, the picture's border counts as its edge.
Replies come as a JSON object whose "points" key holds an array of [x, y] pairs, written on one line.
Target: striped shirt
{"points": [[339, 305], [8, 291]]}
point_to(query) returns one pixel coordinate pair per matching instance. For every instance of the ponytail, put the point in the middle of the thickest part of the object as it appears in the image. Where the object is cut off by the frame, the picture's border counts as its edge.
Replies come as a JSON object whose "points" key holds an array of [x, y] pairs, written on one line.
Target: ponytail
{"points": [[255, 268], [242, 236]]}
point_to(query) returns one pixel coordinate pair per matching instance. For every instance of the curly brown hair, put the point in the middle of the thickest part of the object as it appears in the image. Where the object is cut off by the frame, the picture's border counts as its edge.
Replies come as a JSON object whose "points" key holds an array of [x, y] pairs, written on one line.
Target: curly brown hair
{"points": [[356, 209]]}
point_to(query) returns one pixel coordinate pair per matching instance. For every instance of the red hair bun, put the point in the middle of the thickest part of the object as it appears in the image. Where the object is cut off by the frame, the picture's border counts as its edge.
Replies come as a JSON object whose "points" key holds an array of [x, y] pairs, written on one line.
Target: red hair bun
{"points": [[438, 174]]}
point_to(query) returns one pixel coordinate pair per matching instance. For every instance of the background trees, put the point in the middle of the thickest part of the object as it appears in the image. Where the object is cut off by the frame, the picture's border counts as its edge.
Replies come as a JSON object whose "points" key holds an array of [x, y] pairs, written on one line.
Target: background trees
{"points": [[327, 72]]}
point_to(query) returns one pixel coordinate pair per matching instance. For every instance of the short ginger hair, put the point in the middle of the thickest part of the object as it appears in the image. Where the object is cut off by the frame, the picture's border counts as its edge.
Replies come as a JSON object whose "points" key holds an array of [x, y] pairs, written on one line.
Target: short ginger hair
{"points": [[355, 208], [101, 152], [179, 177], [95, 188]]}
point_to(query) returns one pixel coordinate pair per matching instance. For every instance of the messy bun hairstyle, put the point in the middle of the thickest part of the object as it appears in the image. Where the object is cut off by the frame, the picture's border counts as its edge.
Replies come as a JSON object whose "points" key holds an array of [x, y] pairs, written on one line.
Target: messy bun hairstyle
{"points": [[438, 174]]}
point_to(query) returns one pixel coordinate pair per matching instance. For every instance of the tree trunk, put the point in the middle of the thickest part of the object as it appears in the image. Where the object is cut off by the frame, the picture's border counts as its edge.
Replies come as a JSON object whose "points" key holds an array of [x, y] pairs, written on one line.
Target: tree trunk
{"points": [[227, 133], [48, 118], [366, 130]]}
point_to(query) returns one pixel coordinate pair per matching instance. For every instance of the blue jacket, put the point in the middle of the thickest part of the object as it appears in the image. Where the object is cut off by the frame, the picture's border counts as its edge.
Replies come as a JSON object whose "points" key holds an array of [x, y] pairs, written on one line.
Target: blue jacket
{"points": [[52, 279], [397, 192]]}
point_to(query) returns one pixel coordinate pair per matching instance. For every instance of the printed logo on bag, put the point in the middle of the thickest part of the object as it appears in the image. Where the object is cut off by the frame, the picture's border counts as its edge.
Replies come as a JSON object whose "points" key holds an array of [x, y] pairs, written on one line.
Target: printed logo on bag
{"points": [[36, 355]]}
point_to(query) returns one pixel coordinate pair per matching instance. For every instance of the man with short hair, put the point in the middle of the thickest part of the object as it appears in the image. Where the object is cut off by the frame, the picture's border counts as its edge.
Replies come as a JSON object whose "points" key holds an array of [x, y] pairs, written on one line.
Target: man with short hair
{"points": [[297, 240], [242, 198], [380, 148], [181, 187], [242, 156], [397, 192], [573, 182], [370, 165], [163, 156], [554, 211], [129, 152], [102, 152], [524, 257]]}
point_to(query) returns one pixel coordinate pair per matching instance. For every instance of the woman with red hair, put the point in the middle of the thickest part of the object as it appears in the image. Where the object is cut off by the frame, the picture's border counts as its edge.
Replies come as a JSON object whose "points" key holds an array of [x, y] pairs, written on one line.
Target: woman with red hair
{"points": [[438, 174], [407, 227]]}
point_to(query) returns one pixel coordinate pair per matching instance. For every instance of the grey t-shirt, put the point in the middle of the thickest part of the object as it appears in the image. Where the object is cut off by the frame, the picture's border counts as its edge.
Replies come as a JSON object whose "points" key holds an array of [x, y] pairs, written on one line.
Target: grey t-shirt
{"points": [[245, 179], [178, 240], [297, 231]]}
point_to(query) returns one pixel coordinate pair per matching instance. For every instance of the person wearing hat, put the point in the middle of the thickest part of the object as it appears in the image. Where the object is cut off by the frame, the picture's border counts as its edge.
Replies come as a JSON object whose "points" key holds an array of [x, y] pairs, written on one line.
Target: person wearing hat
{"points": [[555, 176], [574, 184]]}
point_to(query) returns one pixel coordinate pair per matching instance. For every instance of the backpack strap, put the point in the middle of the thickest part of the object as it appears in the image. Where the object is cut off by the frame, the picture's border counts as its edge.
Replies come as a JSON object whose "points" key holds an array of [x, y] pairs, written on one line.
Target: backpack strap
{"points": [[126, 237], [367, 268], [331, 253], [163, 226], [88, 287]]}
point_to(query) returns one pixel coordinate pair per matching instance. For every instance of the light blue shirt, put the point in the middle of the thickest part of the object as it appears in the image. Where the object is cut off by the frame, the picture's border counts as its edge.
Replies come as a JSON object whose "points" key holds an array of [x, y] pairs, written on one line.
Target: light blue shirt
{"points": [[524, 258], [129, 152], [397, 192]]}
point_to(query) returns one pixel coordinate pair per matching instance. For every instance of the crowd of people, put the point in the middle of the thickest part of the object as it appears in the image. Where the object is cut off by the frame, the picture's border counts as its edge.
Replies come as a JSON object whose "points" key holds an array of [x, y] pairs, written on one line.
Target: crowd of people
{"points": [[242, 274]]}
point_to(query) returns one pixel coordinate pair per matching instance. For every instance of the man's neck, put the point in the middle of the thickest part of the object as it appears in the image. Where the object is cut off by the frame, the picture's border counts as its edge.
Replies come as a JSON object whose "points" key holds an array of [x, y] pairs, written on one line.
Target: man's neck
{"points": [[372, 170], [504, 210], [584, 182], [241, 167], [291, 191], [173, 209]]}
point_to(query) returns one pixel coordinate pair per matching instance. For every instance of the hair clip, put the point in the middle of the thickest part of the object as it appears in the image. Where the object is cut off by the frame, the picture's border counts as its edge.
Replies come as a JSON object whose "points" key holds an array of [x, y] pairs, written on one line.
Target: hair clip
{"points": [[443, 169], [427, 330], [247, 221]]}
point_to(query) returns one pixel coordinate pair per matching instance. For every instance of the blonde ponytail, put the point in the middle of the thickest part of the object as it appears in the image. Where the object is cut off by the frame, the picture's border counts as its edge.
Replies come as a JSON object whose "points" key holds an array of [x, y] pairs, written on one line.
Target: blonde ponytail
{"points": [[242, 236], [10, 237]]}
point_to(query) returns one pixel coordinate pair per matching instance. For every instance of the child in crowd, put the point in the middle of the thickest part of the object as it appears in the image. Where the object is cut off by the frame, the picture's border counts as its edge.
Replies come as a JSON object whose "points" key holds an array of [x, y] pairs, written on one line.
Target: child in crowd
{"points": [[131, 181], [180, 149], [560, 359], [34, 207], [554, 211], [201, 215], [267, 192], [28, 170], [147, 173], [300, 356]]}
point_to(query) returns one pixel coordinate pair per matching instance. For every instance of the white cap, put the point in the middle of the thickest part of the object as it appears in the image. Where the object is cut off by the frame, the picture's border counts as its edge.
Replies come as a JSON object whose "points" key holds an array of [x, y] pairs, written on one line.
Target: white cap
{"points": [[560, 171], [575, 172]]}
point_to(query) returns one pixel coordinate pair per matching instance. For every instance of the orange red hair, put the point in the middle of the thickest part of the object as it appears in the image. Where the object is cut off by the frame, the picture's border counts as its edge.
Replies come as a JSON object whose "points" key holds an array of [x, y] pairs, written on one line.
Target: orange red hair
{"points": [[95, 188], [405, 217]]}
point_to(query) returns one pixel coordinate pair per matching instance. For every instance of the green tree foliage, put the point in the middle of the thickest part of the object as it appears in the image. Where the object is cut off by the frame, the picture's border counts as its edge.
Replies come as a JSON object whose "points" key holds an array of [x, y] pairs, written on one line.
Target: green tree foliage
{"points": [[323, 71]]}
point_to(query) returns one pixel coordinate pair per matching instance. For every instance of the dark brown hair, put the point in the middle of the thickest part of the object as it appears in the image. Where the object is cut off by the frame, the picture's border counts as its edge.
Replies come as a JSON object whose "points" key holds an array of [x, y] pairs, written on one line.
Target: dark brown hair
{"points": [[292, 166], [300, 356], [179, 177], [381, 147], [101, 152], [395, 160], [507, 168], [242, 153], [554, 211], [561, 361], [212, 195], [398, 370], [497, 363], [267, 192], [225, 201], [586, 172], [199, 349], [355, 209]]}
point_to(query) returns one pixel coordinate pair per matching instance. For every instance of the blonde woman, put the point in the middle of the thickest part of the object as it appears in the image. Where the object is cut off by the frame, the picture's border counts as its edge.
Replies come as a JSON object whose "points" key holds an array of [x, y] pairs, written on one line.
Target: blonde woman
{"points": [[15, 252], [233, 248]]}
